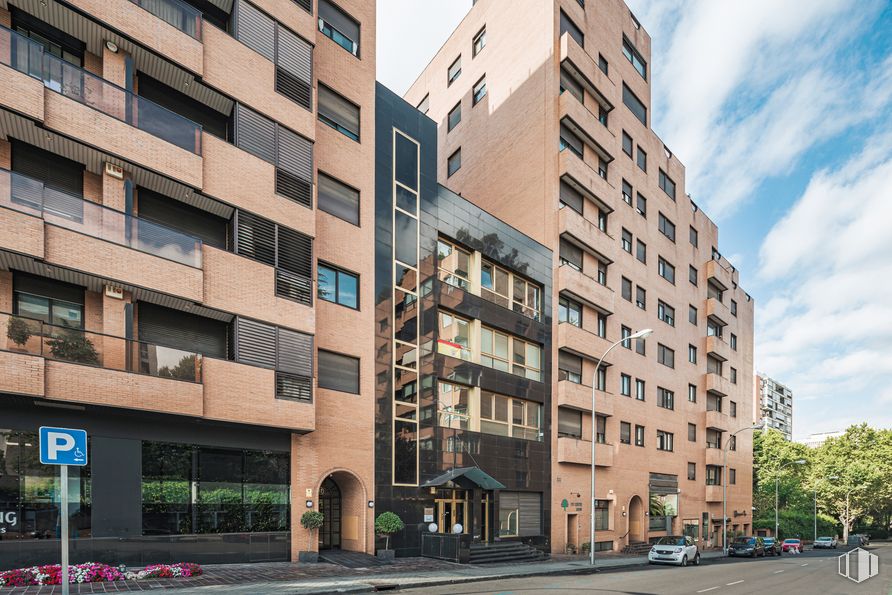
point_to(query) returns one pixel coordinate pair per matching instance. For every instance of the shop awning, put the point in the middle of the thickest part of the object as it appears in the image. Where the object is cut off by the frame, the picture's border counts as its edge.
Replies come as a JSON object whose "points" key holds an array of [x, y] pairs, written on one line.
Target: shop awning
{"points": [[466, 477]]}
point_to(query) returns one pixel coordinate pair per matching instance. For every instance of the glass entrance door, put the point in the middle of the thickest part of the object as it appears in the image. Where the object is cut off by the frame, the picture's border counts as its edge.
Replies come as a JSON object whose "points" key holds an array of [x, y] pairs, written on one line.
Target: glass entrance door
{"points": [[330, 507], [452, 508]]}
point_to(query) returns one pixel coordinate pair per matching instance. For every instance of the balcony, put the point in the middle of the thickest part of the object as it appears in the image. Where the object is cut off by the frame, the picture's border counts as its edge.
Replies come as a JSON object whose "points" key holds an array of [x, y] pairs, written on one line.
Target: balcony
{"points": [[587, 232], [20, 92], [572, 165], [718, 348], [718, 310], [714, 493], [587, 125], [716, 384], [581, 341], [715, 457], [579, 396], [585, 288], [719, 274], [585, 69], [574, 450], [716, 420]]}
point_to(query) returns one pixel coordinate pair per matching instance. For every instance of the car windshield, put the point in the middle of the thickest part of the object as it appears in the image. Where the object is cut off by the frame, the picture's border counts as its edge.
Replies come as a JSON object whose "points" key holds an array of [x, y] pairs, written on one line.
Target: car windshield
{"points": [[744, 540], [791, 541], [768, 540], [671, 541], [825, 539]]}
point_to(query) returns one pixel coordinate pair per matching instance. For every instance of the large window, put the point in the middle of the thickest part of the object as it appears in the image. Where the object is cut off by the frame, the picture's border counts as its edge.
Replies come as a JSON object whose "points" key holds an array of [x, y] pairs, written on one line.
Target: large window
{"points": [[634, 58], [665, 398], [665, 312], [454, 264], [479, 42], [665, 440], [338, 199], [454, 71], [454, 406], [569, 367], [510, 290], [455, 336], [569, 422], [453, 164], [198, 489], [338, 286], [665, 356], [338, 372], [506, 416], [666, 270], [510, 354], [570, 255], [634, 104], [568, 26], [569, 311], [338, 112], [49, 301], [668, 186], [338, 26], [454, 117], [667, 227]]}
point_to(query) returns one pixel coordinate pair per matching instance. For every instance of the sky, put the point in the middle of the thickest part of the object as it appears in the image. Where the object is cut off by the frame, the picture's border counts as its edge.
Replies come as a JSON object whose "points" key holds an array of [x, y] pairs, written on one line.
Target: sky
{"points": [[782, 115]]}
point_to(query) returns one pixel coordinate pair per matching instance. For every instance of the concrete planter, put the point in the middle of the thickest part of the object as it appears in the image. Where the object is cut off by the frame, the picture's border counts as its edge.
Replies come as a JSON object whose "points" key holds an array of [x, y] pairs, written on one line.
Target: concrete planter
{"points": [[387, 555], [308, 557]]}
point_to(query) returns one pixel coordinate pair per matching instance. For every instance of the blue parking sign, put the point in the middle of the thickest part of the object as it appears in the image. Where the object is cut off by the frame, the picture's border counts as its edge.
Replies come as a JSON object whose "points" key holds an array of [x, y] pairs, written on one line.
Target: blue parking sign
{"points": [[63, 446]]}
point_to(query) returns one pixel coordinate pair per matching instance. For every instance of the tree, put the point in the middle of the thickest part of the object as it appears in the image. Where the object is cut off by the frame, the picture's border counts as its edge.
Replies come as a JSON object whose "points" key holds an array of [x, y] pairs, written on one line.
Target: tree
{"points": [[773, 458], [311, 520], [387, 524], [18, 331]]}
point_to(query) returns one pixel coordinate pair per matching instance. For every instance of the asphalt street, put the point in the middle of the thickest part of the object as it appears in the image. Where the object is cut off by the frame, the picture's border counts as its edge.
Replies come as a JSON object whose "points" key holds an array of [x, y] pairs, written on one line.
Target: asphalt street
{"points": [[812, 573]]}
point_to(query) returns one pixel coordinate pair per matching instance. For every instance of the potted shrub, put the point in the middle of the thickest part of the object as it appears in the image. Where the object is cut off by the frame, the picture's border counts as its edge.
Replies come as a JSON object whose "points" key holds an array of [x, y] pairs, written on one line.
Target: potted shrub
{"points": [[387, 524], [18, 331], [310, 520], [73, 347]]}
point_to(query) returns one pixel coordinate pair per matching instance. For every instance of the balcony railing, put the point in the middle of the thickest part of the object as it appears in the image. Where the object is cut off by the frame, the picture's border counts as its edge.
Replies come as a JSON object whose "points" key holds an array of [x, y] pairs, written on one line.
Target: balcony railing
{"points": [[66, 344], [29, 57], [183, 16], [27, 195]]}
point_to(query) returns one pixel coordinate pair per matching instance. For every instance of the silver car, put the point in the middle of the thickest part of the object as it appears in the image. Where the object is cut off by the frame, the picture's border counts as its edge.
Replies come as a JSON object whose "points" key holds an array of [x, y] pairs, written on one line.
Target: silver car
{"points": [[674, 549], [826, 542]]}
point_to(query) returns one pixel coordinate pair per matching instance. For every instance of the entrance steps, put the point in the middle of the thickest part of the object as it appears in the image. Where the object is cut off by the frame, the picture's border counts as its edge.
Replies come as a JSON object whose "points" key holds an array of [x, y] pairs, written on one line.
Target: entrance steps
{"points": [[504, 551], [637, 548]]}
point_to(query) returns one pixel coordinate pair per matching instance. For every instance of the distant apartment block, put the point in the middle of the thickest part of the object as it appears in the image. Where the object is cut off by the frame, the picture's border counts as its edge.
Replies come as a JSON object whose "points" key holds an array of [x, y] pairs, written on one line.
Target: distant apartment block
{"points": [[773, 402], [819, 438]]}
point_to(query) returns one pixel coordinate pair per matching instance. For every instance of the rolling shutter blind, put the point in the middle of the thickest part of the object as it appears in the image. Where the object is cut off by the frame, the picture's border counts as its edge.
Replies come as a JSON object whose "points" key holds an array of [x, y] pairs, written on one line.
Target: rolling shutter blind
{"points": [[294, 173], [294, 67], [255, 343], [255, 134], [255, 238], [569, 362], [172, 213], [297, 388], [295, 353], [339, 20], [529, 510], [338, 372], [571, 253], [338, 109], [53, 170], [569, 422], [571, 139], [338, 199], [255, 29], [47, 288], [571, 197], [181, 330]]}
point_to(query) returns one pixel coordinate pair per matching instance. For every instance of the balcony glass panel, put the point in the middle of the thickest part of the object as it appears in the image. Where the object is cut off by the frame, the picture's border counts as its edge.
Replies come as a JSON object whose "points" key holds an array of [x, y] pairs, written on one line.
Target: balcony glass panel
{"points": [[76, 83], [184, 17]]}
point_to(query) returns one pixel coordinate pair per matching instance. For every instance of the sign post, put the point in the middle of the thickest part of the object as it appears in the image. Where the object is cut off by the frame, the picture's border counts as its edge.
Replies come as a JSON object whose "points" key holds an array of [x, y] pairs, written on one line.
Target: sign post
{"points": [[63, 447]]}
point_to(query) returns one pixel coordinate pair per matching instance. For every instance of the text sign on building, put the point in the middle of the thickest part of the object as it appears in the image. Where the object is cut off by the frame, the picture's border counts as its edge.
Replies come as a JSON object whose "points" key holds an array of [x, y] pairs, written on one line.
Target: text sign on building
{"points": [[63, 446]]}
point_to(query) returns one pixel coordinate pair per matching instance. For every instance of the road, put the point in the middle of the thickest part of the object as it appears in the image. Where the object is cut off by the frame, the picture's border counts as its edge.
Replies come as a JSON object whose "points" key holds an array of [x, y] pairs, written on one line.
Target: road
{"points": [[811, 573]]}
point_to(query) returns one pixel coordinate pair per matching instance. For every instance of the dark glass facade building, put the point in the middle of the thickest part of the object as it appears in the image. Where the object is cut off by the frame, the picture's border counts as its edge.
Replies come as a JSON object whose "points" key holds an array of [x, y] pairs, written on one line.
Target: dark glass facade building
{"points": [[463, 319]]}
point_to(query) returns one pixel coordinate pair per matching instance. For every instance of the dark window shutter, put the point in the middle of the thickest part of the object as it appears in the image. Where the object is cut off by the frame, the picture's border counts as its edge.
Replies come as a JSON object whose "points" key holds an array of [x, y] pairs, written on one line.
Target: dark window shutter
{"points": [[335, 108], [571, 253], [48, 288], [255, 343], [254, 29], [569, 362], [53, 170], [295, 353], [338, 372], [336, 17], [298, 388], [177, 215], [294, 154], [305, 4], [294, 60], [255, 237], [571, 197], [338, 199], [297, 189], [181, 330], [255, 134], [293, 88], [294, 272]]}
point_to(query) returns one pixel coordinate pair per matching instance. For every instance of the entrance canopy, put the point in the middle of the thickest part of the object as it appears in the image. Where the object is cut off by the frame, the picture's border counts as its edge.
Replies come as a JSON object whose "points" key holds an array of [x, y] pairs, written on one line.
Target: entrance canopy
{"points": [[466, 477]]}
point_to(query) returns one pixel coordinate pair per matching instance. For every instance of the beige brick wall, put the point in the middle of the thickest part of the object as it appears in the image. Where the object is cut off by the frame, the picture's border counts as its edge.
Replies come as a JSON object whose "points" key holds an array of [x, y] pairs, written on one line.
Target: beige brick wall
{"points": [[20, 93], [22, 373]]}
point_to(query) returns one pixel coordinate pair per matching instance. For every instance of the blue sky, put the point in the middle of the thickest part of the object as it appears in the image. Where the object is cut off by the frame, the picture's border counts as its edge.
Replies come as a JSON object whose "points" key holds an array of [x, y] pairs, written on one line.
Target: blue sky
{"points": [[782, 114]]}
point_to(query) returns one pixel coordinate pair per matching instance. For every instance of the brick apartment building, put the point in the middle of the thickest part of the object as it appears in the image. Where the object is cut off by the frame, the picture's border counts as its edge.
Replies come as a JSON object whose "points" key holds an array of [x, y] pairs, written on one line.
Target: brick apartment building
{"points": [[543, 112]]}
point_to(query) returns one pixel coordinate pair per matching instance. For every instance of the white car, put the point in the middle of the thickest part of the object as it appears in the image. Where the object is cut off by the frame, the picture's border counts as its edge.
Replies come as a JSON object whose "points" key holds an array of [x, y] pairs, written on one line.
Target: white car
{"points": [[674, 549], [825, 542]]}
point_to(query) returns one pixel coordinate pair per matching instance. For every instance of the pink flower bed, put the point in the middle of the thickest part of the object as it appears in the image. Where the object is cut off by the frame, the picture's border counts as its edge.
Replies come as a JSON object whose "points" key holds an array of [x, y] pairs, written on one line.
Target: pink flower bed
{"points": [[92, 572]]}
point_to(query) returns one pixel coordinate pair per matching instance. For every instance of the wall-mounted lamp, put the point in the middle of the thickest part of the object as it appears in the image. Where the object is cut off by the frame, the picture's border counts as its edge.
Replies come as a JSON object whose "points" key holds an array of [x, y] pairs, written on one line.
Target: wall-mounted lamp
{"points": [[309, 504], [371, 503], [112, 46]]}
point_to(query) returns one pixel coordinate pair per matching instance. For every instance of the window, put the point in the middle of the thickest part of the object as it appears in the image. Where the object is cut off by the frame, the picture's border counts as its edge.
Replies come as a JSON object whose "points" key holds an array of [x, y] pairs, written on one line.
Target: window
{"points": [[639, 435], [625, 432], [713, 475], [634, 104], [713, 438], [454, 71], [510, 354], [627, 240], [454, 117], [568, 140], [713, 402], [627, 144], [666, 313], [425, 104], [569, 311], [626, 289], [624, 333], [665, 398], [733, 375], [642, 159], [64, 306], [732, 476], [667, 227], [454, 337], [504, 416], [603, 216], [692, 314], [692, 236], [713, 329], [602, 325], [733, 307], [692, 275], [479, 90], [454, 406], [338, 199], [338, 26], [641, 251], [692, 354], [732, 443], [568, 26], [627, 193], [692, 471], [667, 184], [454, 264], [569, 83], [600, 429], [641, 297], [569, 367], [569, 422], [601, 379], [338, 372], [337, 112], [570, 255], [733, 341], [569, 196], [732, 411], [634, 58], [602, 167], [640, 345], [642, 206], [479, 42], [338, 286], [665, 356], [692, 393], [639, 389], [603, 65], [666, 270], [664, 440], [625, 385], [453, 164], [692, 432]]}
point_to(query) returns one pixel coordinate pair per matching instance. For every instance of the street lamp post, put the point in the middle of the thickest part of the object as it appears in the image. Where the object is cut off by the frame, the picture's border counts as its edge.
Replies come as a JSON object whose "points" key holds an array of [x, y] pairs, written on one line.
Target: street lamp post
{"points": [[643, 333], [757, 426], [776, 483]]}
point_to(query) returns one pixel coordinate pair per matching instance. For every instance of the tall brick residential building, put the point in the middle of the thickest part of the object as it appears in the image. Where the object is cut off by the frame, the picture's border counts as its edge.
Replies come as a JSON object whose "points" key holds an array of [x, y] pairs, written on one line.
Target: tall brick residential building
{"points": [[186, 233], [543, 112]]}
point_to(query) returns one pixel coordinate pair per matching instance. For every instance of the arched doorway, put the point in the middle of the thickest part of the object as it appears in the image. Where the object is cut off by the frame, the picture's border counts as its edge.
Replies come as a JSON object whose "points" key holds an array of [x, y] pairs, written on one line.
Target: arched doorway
{"points": [[330, 507], [636, 511]]}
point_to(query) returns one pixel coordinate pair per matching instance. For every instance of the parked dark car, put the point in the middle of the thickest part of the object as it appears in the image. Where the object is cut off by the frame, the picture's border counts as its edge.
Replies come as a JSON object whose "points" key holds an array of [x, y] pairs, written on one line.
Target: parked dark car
{"points": [[747, 546], [772, 546]]}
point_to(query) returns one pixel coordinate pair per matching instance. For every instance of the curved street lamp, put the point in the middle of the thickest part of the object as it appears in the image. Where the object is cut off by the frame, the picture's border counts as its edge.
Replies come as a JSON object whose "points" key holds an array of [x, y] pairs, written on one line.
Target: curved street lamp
{"points": [[757, 426], [643, 333]]}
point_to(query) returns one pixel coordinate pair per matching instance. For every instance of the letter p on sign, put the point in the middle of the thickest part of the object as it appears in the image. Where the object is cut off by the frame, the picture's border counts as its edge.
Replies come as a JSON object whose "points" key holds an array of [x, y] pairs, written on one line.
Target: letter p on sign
{"points": [[63, 446]]}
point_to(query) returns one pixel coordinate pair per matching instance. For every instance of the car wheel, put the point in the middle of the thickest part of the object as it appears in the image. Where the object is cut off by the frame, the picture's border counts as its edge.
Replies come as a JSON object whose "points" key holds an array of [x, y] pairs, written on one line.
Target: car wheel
{"points": [[753, 555], [697, 559], [684, 560]]}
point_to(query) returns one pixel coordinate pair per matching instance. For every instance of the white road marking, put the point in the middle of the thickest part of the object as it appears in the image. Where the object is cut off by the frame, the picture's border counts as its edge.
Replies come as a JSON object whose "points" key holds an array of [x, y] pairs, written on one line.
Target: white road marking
{"points": [[734, 583], [806, 564], [778, 571], [709, 589]]}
